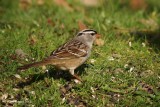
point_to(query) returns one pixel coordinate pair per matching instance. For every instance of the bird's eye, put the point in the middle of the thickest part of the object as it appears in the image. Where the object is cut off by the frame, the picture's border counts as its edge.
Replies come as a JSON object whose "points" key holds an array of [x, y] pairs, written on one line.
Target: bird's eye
{"points": [[92, 34], [79, 34]]}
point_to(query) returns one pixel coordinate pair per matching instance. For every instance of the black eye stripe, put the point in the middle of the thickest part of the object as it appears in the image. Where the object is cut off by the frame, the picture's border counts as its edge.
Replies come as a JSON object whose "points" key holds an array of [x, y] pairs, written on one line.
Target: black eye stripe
{"points": [[90, 31], [79, 34], [92, 34]]}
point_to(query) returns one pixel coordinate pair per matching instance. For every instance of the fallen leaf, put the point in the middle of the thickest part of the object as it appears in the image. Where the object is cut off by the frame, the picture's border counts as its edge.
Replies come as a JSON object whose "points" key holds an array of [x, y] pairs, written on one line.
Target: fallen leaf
{"points": [[131, 69], [94, 96], [44, 67], [143, 44], [32, 40], [92, 61], [16, 89], [146, 73], [89, 20], [99, 42], [17, 76], [77, 81], [20, 53], [25, 4], [62, 26], [65, 89], [32, 92], [40, 2], [92, 90], [138, 4], [81, 25], [126, 66], [13, 56], [50, 22], [130, 44], [118, 70], [146, 87], [117, 56], [26, 60], [11, 102], [63, 100], [8, 100], [64, 3], [91, 3], [70, 97], [110, 58], [151, 23], [4, 96], [98, 36]]}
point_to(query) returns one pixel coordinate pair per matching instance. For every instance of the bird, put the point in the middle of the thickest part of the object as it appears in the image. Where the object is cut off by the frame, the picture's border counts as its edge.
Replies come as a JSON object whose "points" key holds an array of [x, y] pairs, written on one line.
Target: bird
{"points": [[70, 55]]}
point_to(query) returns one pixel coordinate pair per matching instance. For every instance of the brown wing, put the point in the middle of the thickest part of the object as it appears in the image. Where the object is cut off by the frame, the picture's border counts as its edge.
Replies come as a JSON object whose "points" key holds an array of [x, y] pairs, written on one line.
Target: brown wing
{"points": [[72, 49]]}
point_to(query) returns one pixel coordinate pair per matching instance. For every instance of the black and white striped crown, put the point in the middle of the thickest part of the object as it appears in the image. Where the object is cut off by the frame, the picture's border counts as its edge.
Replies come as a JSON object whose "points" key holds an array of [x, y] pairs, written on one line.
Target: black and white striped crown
{"points": [[90, 31]]}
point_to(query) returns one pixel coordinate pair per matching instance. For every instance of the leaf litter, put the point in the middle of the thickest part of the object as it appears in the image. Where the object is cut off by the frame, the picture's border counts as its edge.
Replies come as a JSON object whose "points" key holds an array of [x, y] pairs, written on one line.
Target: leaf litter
{"points": [[64, 4], [71, 97], [20, 53]]}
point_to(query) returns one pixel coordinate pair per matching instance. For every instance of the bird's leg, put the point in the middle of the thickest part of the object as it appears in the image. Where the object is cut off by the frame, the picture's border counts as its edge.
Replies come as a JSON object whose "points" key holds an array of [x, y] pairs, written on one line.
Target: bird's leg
{"points": [[74, 75]]}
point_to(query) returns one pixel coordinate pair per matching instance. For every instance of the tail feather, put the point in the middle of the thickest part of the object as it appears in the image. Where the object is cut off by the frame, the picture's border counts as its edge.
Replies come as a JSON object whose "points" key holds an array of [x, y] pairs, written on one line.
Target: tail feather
{"points": [[24, 67]]}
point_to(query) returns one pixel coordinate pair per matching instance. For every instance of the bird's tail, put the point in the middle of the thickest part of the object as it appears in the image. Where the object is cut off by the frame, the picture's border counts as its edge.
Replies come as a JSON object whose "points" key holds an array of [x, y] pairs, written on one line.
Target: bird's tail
{"points": [[35, 64]]}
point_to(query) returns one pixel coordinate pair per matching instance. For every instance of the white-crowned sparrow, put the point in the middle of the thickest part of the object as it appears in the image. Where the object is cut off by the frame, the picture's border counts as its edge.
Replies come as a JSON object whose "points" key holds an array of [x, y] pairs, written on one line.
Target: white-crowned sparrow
{"points": [[70, 55]]}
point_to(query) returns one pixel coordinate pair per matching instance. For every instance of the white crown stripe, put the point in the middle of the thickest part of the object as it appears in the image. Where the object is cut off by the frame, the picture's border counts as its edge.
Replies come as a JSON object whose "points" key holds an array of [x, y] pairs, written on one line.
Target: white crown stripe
{"points": [[89, 32]]}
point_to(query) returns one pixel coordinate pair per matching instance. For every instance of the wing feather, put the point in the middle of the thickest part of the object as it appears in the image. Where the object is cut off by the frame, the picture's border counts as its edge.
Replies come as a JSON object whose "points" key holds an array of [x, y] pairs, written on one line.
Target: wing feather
{"points": [[72, 49]]}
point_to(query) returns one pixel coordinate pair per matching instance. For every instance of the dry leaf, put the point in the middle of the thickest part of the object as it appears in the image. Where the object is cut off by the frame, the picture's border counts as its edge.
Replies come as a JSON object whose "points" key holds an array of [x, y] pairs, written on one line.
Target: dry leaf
{"points": [[25, 4], [146, 73], [65, 89], [17, 76], [99, 42], [64, 3], [146, 87], [70, 97], [50, 22], [138, 4], [130, 44], [44, 67], [151, 23], [91, 2], [77, 81], [13, 56], [4, 96], [89, 20], [40, 2], [62, 26], [16, 89], [81, 25], [110, 58], [98, 36], [20, 53], [92, 61], [32, 40], [143, 44], [32, 92], [117, 56]]}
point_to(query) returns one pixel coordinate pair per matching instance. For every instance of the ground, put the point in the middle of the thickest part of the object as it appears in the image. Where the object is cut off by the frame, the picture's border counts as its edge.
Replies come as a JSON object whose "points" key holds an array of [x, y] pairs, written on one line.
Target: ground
{"points": [[124, 71]]}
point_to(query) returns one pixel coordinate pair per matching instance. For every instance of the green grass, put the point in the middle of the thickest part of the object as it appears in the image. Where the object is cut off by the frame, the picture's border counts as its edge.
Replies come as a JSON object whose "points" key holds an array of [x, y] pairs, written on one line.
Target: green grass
{"points": [[131, 78]]}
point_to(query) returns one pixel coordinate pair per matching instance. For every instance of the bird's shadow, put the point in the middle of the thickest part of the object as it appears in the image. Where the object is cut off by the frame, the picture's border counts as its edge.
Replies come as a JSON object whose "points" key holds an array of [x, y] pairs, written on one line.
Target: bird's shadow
{"points": [[52, 73], [152, 38]]}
